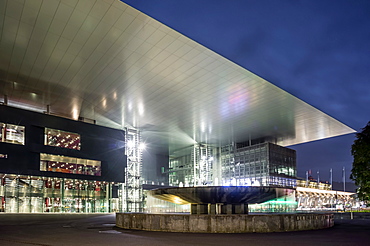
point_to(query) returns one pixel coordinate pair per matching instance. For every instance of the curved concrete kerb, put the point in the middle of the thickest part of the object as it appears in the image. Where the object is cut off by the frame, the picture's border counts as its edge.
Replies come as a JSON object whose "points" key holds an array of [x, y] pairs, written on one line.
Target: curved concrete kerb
{"points": [[234, 223]]}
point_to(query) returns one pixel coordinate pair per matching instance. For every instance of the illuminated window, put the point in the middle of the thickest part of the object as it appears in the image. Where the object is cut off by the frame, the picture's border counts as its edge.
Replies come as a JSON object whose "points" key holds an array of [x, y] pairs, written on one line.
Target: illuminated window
{"points": [[62, 139], [64, 164], [11, 133]]}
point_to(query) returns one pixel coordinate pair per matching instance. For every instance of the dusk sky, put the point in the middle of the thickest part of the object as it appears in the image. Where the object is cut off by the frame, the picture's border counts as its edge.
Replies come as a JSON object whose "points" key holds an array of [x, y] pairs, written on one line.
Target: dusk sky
{"points": [[317, 50]]}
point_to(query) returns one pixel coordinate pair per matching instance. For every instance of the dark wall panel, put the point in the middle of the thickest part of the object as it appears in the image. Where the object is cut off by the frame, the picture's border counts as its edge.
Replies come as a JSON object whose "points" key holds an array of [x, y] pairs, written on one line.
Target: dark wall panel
{"points": [[97, 143]]}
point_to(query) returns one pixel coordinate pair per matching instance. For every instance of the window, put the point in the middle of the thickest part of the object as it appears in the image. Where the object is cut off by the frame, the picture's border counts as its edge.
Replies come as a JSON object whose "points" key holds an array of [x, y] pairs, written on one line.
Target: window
{"points": [[62, 139], [64, 164], [11, 133]]}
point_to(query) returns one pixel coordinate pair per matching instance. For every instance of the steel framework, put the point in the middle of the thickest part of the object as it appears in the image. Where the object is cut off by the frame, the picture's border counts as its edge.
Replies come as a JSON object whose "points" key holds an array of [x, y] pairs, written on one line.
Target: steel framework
{"points": [[132, 188]]}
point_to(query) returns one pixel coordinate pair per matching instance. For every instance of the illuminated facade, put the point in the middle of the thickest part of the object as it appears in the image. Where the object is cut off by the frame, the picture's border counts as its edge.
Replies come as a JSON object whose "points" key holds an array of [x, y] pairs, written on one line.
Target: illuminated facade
{"points": [[261, 164], [41, 194], [53, 164], [10, 133], [312, 195], [318, 199], [129, 71], [243, 164], [132, 191], [193, 166]]}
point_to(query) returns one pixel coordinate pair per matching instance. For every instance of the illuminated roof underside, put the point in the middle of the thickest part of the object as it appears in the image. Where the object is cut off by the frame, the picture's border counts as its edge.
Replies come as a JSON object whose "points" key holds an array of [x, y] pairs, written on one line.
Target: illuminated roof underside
{"points": [[107, 61], [220, 194]]}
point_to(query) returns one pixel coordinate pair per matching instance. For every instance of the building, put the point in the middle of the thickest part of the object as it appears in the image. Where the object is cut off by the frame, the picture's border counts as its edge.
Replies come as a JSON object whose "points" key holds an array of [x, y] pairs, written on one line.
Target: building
{"points": [[204, 119], [235, 164], [53, 164], [312, 195]]}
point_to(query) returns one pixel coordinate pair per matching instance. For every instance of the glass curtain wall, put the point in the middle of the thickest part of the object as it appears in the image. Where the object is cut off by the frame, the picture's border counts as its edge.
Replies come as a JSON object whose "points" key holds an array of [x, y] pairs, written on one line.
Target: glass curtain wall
{"points": [[11, 133], [192, 166], [256, 165], [65, 164], [30, 194], [62, 139]]}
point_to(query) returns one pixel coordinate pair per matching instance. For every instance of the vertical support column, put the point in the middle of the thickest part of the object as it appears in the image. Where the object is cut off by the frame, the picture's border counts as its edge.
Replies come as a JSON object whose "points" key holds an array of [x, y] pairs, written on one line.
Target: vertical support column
{"points": [[121, 193], [240, 208], [62, 195], [193, 208], [2, 194], [203, 159], [202, 208], [133, 183], [43, 188], [17, 189], [206, 164], [29, 194], [219, 208], [212, 208], [227, 209], [5, 190], [110, 187], [195, 157], [74, 194]]}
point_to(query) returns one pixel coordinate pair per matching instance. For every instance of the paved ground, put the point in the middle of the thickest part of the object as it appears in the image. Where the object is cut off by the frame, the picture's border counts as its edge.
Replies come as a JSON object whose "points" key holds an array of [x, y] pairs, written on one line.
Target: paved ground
{"points": [[82, 229]]}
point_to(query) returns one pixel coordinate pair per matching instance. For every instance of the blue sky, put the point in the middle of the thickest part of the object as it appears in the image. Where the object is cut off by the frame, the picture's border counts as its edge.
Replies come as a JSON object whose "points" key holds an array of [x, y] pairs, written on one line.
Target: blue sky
{"points": [[317, 50]]}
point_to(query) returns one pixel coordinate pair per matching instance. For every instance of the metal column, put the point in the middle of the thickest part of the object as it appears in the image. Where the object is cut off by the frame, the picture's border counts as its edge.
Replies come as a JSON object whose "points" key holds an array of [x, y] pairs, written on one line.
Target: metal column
{"points": [[133, 193]]}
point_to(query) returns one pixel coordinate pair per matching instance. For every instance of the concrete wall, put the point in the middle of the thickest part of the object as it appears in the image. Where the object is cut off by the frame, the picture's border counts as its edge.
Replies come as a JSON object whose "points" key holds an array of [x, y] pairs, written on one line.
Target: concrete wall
{"points": [[223, 223]]}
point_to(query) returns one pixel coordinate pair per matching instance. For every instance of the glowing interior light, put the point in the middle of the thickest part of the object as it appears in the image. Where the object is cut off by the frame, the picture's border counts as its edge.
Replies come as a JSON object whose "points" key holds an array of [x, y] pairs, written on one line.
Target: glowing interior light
{"points": [[178, 200], [142, 146], [130, 144], [75, 113], [256, 183], [203, 127], [141, 109]]}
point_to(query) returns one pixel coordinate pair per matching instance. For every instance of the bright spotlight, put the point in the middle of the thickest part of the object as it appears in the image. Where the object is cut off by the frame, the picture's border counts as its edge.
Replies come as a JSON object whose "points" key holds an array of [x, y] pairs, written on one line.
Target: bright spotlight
{"points": [[142, 146], [130, 144]]}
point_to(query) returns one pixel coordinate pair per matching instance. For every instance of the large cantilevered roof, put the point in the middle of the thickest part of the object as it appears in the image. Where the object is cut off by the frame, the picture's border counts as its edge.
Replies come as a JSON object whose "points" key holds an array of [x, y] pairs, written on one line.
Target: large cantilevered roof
{"points": [[106, 61]]}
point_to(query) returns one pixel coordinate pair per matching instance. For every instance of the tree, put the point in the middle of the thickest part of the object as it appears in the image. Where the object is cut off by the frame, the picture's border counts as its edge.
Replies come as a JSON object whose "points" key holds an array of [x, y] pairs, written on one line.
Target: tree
{"points": [[361, 163]]}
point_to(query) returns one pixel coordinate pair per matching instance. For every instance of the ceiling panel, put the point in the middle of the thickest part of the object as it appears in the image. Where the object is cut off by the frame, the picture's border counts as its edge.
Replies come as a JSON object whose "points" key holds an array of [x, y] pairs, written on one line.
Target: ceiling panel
{"points": [[107, 61]]}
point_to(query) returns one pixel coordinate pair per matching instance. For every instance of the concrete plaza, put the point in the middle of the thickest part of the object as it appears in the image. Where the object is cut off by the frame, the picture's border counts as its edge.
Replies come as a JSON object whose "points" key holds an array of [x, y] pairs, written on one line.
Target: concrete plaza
{"points": [[99, 229]]}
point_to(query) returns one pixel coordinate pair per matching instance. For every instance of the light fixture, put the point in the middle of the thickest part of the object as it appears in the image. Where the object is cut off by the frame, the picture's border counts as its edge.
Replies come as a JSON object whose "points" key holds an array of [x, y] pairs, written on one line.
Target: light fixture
{"points": [[142, 146]]}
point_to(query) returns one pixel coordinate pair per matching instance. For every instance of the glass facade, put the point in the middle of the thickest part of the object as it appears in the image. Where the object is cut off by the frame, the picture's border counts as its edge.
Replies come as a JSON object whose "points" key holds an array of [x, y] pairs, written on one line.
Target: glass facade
{"points": [[31, 167], [313, 184], [158, 206], [62, 139], [11, 133], [181, 168], [274, 206], [233, 165], [260, 164], [64, 164], [193, 166], [31, 194]]}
